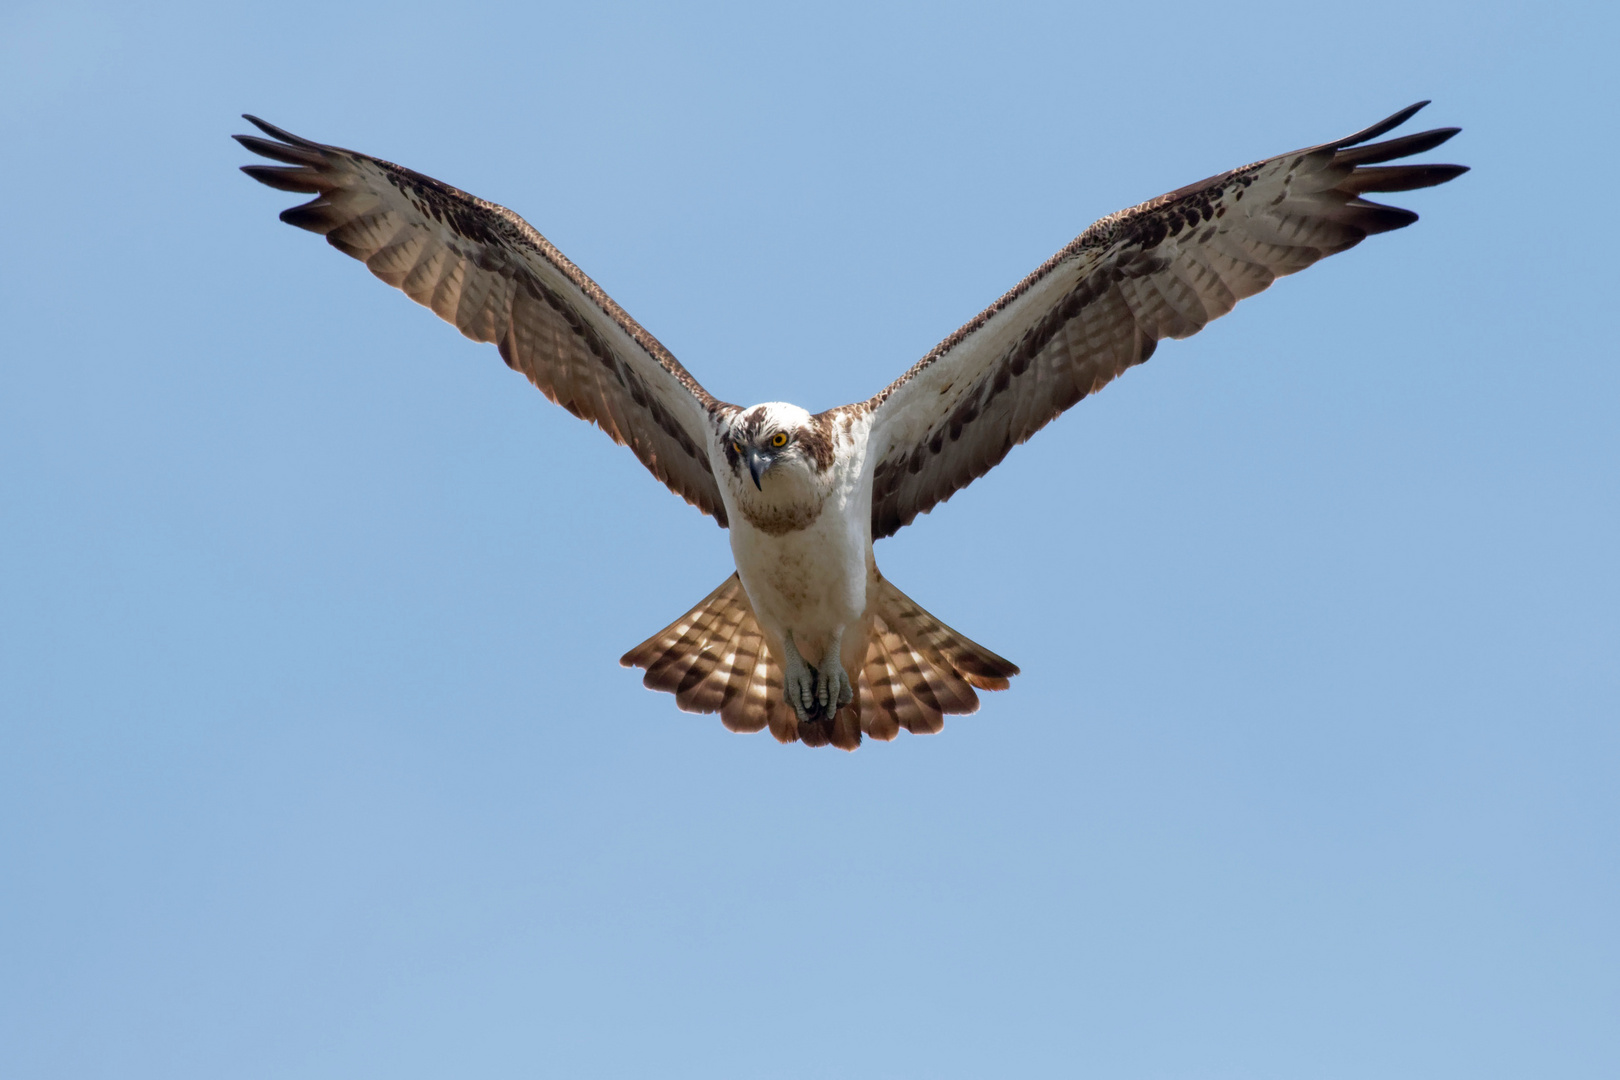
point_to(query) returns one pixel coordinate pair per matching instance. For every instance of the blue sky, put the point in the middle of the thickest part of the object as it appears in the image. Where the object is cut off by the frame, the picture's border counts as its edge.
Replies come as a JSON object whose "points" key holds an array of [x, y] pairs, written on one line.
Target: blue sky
{"points": [[315, 756]]}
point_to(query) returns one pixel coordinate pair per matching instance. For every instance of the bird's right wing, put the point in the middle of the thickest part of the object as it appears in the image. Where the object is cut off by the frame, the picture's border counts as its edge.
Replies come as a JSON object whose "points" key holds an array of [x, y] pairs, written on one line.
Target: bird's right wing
{"points": [[487, 271], [1159, 270]]}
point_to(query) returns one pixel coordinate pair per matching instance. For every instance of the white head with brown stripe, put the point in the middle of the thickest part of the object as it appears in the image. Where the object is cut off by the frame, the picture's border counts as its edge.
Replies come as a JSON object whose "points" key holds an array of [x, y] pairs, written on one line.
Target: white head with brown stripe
{"points": [[778, 466]]}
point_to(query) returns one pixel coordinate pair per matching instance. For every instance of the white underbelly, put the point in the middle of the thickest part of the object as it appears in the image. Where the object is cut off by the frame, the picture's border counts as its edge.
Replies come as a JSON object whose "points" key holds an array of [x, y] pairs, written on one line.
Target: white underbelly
{"points": [[811, 582]]}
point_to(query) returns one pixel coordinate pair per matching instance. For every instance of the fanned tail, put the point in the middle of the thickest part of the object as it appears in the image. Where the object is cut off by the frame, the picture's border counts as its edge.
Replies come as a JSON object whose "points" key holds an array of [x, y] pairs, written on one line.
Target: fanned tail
{"points": [[917, 670], [714, 659]]}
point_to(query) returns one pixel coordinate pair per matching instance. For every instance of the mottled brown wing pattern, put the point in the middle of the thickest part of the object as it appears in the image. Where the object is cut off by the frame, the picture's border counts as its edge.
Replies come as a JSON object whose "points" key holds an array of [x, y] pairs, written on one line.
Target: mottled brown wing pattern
{"points": [[486, 271], [1101, 305]]}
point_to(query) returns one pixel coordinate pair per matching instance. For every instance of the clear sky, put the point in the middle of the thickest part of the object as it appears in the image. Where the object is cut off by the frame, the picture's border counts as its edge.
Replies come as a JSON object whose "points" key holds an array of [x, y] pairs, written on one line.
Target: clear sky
{"points": [[315, 756]]}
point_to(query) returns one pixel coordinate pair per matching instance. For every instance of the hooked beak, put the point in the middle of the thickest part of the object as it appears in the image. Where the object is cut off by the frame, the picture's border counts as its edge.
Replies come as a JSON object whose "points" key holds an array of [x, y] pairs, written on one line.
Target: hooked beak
{"points": [[757, 464]]}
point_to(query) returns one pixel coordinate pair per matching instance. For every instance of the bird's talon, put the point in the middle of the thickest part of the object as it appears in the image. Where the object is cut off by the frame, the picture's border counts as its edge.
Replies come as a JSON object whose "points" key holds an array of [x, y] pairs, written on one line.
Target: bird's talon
{"points": [[798, 684], [833, 690]]}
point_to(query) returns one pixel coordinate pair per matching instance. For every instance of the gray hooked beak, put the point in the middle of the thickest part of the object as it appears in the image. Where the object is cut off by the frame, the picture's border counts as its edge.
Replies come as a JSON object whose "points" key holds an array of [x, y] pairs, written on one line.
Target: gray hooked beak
{"points": [[757, 464]]}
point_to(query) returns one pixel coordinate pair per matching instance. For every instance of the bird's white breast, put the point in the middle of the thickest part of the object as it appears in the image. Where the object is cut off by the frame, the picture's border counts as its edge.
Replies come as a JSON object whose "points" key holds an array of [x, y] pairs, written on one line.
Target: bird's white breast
{"points": [[809, 578]]}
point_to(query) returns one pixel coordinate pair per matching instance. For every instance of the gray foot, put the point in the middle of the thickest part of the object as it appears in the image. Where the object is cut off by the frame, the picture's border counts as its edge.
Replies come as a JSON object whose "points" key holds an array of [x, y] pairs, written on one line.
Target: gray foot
{"points": [[833, 690], [814, 695], [798, 682]]}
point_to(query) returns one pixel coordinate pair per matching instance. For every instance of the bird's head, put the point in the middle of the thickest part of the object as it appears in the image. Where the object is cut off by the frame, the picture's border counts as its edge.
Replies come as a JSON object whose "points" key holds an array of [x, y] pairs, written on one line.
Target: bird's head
{"points": [[776, 439]]}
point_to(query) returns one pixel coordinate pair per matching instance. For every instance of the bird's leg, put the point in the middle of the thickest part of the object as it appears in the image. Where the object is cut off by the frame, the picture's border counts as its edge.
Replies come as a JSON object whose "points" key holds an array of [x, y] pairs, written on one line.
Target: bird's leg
{"points": [[833, 690], [798, 680], [815, 695]]}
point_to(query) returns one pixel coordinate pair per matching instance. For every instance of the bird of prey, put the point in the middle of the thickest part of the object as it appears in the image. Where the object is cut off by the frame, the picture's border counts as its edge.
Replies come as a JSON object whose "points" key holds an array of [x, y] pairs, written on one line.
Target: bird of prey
{"points": [[807, 638]]}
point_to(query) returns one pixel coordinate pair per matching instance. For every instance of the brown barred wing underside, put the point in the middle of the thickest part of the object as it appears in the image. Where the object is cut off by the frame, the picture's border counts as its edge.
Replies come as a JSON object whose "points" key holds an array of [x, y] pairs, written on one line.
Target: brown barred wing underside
{"points": [[1159, 270], [486, 271]]}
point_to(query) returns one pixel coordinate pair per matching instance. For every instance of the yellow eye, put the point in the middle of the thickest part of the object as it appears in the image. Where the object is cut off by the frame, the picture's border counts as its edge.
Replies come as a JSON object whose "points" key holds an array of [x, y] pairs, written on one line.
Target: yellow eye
{"points": [[779, 440], [737, 446]]}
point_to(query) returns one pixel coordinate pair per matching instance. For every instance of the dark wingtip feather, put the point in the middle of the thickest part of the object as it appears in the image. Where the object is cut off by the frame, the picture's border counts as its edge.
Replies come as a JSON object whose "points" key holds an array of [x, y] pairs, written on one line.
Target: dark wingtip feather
{"points": [[313, 216], [279, 133], [1400, 177], [1378, 218], [284, 178], [1389, 123], [276, 151], [1389, 150]]}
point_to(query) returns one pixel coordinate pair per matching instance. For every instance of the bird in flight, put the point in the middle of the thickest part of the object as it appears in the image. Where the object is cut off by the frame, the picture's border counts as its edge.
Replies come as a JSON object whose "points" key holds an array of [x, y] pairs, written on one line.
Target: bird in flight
{"points": [[807, 638]]}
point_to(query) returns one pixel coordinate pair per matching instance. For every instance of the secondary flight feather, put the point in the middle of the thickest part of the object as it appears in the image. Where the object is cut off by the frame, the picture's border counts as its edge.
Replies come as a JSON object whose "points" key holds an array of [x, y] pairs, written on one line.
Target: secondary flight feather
{"points": [[807, 638]]}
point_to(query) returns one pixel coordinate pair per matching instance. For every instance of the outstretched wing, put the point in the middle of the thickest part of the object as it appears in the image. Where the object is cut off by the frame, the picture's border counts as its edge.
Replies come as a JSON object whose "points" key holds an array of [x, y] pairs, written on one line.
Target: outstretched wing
{"points": [[1161, 269], [487, 271]]}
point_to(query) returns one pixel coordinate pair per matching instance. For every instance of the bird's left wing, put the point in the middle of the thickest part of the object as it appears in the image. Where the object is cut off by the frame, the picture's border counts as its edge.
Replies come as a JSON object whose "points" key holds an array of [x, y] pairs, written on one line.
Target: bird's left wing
{"points": [[1161, 269], [487, 271]]}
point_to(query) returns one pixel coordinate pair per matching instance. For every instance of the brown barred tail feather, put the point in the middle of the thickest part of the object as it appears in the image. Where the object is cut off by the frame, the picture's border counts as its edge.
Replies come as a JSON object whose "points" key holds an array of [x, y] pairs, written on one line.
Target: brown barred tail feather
{"points": [[714, 659], [917, 670]]}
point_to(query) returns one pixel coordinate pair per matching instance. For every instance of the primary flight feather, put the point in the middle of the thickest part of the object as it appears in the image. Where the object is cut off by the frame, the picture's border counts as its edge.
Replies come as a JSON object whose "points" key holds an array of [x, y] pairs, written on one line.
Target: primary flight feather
{"points": [[807, 637]]}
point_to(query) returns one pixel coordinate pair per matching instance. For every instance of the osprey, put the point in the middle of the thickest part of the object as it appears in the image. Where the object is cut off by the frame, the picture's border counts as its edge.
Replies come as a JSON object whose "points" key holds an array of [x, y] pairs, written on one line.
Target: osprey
{"points": [[807, 637]]}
